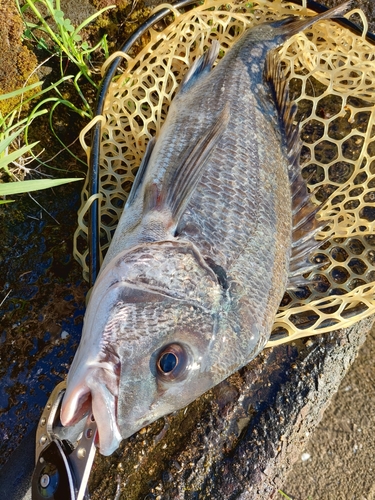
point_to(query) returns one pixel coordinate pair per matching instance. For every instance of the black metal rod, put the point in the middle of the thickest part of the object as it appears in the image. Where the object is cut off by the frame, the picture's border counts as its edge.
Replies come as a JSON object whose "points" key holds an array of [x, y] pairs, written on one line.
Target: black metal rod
{"points": [[311, 4]]}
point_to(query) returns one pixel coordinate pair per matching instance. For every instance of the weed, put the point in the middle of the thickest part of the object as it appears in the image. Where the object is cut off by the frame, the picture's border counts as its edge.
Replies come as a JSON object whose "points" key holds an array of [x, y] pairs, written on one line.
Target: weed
{"points": [[284, 495], [288, 497], [66, 39], [7, 137], [59, 37]]}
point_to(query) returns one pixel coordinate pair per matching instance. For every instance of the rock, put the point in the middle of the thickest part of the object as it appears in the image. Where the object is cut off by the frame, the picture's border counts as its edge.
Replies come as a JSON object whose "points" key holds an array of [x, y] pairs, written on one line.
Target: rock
{"points": [[17, 62]]}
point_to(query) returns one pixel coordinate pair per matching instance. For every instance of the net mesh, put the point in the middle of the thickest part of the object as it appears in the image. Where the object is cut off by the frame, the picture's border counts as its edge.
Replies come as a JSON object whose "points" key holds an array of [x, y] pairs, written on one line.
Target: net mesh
{"points": [[331, 74]]}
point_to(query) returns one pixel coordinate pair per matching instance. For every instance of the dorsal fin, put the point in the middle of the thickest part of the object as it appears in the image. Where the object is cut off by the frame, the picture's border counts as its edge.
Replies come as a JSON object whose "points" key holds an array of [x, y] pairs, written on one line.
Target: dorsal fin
{"points": [[173, 194], [304, 221], [201, 66]]}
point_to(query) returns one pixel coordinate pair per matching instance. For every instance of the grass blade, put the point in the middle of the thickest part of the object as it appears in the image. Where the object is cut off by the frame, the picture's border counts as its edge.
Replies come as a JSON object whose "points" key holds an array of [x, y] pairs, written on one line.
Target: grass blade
{"points": [[92, 18], [33, 185], [4, 162], [22, 90]]}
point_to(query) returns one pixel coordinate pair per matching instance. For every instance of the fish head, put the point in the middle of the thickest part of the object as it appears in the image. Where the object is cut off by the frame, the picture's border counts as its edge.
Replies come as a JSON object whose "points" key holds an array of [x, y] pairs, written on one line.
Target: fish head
{"points": [[146, 347], [169, 369]]}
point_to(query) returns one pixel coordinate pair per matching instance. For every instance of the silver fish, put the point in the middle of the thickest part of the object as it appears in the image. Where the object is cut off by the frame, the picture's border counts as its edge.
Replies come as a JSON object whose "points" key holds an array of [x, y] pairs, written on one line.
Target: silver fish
{"points": [[217, 225]]}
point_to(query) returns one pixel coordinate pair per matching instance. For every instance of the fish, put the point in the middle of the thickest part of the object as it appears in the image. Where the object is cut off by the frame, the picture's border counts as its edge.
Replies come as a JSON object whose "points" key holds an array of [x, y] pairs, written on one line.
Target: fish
{"points": [[217, 226]]}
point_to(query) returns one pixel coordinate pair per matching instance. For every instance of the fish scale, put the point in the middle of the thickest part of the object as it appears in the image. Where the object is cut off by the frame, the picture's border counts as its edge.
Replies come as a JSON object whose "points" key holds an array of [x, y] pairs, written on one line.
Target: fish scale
{"points": [[190, 286]]}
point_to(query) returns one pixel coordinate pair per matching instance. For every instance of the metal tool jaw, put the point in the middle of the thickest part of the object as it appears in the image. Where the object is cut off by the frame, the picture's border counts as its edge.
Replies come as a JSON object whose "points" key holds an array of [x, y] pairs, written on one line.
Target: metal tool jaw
{"points": [[64, 455]]}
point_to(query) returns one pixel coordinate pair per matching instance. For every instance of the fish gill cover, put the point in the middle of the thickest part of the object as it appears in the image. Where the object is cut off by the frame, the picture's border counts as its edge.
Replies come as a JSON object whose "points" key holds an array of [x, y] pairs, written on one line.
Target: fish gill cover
{"points": [[331, 74]]}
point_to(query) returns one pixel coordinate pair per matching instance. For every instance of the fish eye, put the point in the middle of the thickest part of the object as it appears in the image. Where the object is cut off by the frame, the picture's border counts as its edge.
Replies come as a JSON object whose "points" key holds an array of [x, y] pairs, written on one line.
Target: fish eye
{"points": [[167, 362], [171, 362]]}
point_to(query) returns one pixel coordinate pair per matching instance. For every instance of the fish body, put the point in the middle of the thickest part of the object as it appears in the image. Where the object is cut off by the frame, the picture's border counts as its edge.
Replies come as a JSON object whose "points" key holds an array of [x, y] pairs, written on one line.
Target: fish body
{"points": [[202, 255]]}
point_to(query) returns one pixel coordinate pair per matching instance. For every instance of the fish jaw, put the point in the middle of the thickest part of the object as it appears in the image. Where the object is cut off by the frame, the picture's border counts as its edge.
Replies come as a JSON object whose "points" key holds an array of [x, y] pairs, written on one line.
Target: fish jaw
{"points": [[89, 389], [161, 403]]}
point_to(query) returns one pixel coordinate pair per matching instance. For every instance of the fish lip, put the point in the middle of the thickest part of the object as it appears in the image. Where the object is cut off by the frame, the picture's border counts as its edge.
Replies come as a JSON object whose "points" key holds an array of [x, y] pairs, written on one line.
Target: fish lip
{"points": [[93, 389], [75, 405], [108, 436]]}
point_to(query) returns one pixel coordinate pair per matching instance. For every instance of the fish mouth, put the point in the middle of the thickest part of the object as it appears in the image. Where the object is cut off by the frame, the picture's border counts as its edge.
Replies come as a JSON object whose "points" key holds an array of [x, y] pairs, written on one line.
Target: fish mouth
{"points": [[93, 389]]}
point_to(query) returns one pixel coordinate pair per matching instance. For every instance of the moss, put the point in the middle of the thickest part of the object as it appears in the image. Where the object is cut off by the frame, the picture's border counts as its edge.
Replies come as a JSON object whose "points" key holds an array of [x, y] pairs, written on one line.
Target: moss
{"points": [[18, 216], [121, 22], [17, 62]]}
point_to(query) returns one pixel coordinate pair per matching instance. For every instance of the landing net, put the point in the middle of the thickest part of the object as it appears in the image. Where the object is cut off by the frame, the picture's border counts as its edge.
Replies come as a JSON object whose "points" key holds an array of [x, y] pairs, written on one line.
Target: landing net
{"points": [[331, 72]]}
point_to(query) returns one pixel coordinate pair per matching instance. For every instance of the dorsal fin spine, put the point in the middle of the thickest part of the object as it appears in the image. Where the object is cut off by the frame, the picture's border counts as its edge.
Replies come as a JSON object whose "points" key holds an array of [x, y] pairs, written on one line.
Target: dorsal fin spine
{"points": [[200, 67]]}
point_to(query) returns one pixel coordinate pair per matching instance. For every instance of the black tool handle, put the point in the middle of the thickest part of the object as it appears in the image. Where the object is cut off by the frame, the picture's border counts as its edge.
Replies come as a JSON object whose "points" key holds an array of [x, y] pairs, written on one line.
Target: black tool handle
{"points": [[52, 478]]}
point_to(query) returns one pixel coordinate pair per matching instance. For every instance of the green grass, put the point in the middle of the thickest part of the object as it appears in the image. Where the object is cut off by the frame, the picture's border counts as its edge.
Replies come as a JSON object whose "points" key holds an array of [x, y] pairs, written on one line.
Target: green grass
{"points": [[7, 138], [47, 27], [284, 495], [66, 39]]}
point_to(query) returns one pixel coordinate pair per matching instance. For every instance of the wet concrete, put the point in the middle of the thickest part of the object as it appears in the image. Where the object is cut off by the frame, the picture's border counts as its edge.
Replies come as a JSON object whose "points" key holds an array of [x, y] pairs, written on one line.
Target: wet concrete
{"points": [[42, 297]]}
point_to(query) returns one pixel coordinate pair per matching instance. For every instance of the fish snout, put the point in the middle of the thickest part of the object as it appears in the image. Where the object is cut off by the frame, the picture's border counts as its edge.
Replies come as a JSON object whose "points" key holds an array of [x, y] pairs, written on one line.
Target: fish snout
{"points": [[89, 391]]}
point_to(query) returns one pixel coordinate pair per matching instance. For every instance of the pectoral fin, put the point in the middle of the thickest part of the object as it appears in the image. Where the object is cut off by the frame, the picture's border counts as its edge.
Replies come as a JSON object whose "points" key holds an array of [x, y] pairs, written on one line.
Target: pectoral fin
{"points": [[141, 172], [172, 195]]}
